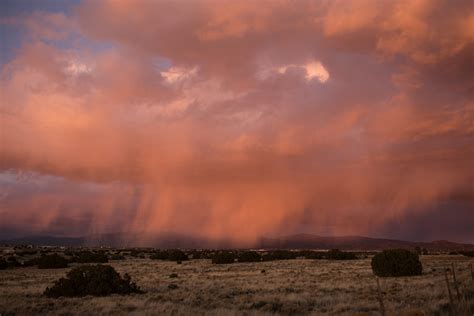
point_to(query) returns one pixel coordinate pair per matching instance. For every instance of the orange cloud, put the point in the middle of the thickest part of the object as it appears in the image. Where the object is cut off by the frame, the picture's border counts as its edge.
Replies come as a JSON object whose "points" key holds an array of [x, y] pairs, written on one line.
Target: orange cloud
{"points": [[206, 118]]}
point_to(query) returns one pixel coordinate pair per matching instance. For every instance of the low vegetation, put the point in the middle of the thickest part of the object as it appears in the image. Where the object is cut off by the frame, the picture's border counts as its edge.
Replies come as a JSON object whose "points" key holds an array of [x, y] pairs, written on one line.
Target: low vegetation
{"points": [[249, 256], [12, 262], [335, 254], [53, 261], [311, 254], [170, 255], [287, 287], [3, 264], [396, 262], [201, 254], [280, 255], [96, 280], [224, 257], [116, 256], [90, 257]]}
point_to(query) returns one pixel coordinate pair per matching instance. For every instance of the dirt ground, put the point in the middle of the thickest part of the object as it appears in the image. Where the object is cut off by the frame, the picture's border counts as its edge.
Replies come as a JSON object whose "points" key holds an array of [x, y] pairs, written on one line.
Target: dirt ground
{"points": [[297, 287]]}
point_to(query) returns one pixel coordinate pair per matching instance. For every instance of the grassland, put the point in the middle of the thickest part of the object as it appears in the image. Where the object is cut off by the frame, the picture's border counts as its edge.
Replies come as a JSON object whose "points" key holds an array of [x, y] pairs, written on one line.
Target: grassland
{"points": [[299, 287]]}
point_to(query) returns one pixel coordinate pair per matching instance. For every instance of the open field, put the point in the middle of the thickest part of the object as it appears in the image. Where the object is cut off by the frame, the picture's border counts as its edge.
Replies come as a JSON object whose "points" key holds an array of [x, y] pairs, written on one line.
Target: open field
{"points": [[299, 286]]}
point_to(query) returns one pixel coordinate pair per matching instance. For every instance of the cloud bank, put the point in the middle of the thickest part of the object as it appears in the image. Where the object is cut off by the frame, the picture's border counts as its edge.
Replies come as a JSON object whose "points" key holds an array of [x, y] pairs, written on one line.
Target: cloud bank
{"points": [[241, 119]]}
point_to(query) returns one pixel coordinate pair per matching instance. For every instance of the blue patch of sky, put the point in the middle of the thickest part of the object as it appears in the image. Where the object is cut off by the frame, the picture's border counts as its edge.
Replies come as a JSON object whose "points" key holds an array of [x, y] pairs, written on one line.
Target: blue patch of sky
{"points": [[161, 63], [31, 180], [11, 35]]}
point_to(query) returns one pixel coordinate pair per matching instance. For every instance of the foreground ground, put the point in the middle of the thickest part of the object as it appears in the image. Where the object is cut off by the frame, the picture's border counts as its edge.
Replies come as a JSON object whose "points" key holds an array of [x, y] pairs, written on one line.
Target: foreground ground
{"points": [[298, 287]]}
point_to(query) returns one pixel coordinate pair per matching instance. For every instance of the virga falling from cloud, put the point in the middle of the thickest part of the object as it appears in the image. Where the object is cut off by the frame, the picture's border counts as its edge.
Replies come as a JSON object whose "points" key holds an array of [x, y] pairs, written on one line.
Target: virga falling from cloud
{"points": [[238, 120]]}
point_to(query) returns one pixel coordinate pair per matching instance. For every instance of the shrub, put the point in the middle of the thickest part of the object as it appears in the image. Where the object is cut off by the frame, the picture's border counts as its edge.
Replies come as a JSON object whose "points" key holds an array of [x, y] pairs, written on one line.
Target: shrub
{"points": [[310, 254], [97, 280], [25, 252], [177, 255], [137, 253], [418, 250], [90, 257], [249, 256], [134, 253], [53, 261], [159, 255], [31, 262], [171, 255], [173, 275], [223, 257], [200, 254], [12, 262], [279, 255], [3, 264], [117, 256], [467, 253], [335, 254], [396, 262]]}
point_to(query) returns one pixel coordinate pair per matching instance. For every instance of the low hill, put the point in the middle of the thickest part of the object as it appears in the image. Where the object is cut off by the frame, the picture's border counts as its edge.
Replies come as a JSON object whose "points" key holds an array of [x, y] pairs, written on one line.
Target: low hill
{"points": [[307, 241], [299, 241]]}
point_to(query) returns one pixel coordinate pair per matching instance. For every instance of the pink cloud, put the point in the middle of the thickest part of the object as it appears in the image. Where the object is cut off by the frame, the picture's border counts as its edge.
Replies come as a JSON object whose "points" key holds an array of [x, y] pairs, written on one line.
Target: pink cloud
{"points": [[215, 140]]}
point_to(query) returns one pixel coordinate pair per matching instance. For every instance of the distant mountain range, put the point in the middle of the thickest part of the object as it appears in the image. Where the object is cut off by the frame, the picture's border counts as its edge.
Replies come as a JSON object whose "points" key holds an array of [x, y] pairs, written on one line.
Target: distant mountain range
{"points": [[308, 241], [299, 241]]}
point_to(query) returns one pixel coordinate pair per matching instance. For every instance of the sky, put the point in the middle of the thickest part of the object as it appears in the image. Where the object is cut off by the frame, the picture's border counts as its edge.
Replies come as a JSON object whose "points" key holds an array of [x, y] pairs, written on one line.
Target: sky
{"points": [[238, 119]]}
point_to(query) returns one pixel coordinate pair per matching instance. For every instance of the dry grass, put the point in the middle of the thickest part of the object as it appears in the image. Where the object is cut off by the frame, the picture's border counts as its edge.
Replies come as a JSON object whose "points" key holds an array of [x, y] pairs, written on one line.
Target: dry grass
{"points": [[299, 287]]}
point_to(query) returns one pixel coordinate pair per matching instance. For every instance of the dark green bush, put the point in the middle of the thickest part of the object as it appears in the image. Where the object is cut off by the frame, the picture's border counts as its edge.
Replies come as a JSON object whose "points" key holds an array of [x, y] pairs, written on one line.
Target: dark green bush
{"points": [[249, 256], [280, 255], [138, 253], [53, 261], [97, 280], [89, 257], [117, 256], [171, 255], [24, 252], [12, 262], [177, 255], [396, 262], [311, 254], [467, 253], [3, 264], [159, 255], [335, 254], [223, 257], [200, 254], [418, 250]]}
